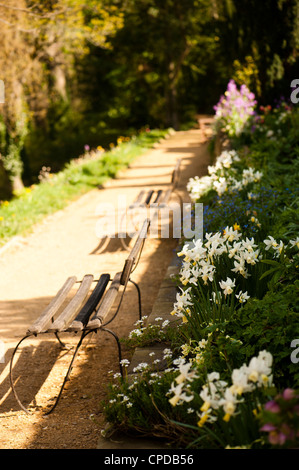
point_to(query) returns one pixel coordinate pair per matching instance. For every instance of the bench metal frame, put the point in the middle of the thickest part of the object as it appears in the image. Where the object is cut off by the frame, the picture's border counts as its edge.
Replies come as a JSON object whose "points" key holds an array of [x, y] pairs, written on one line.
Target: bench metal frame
{"points": [[85, 314]]}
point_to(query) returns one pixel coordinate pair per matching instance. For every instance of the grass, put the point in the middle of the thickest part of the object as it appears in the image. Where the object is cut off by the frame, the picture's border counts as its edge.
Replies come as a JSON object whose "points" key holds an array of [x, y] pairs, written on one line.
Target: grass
{"points": [[55, 191]]}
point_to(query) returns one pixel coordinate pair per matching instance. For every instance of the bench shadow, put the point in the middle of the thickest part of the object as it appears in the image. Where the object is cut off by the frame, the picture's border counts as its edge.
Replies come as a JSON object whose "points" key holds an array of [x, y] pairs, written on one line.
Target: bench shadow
{"points": [[28, 374]]}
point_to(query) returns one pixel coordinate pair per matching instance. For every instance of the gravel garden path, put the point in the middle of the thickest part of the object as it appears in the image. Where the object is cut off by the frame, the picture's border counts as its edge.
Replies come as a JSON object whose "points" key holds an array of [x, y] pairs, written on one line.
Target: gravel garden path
{"points": [[32, 269]]}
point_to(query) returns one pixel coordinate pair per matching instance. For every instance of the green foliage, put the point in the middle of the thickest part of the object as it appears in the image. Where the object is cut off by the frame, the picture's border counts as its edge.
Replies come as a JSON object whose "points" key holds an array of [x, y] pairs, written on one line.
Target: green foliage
{"points": [[271, 323]]}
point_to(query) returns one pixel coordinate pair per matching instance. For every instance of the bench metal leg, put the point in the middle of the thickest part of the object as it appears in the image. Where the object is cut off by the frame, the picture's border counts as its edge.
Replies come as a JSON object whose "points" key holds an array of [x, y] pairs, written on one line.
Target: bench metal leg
{"points": [[83, 335], [139, 297], [118, 347]]}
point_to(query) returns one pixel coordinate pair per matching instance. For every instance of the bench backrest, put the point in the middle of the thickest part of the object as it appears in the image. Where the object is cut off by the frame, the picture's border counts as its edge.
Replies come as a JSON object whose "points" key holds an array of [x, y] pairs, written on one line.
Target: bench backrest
{"points": [[134, 256]]}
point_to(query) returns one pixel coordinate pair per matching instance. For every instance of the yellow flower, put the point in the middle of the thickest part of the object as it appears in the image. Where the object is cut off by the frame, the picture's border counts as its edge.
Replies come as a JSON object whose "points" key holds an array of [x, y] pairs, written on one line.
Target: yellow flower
{"points": [[253, 376], [257, 410], [205, 406], [237, 227], [226, 417], [120, 140], [174, 400], [180, 379], [202, 420], [236, 389], [265, 379], [1, 218]]}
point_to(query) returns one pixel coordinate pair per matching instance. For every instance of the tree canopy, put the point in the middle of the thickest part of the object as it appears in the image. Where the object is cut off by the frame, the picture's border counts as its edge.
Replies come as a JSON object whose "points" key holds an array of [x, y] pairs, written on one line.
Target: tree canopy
{"points": [[78, 71]]}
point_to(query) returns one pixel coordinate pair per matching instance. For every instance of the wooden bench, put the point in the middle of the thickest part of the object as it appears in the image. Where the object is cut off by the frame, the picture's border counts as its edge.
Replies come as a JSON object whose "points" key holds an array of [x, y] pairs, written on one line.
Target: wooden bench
{"points": [[146, 199], [204, 123], [152, 199], [86, 312]]}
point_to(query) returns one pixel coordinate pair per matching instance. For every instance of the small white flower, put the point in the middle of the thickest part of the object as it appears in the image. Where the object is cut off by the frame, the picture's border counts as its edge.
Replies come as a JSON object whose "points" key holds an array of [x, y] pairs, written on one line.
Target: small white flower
{"points": [[167, 353], [125, 362], [140, 367]]}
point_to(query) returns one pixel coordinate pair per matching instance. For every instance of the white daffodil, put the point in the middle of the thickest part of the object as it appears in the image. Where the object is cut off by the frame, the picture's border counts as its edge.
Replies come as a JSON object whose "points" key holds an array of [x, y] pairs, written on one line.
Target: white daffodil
{"points": [[242, 297], [234, 249], [230, 234], [248, 244], [229, 403], [258, 175], [179, 396], [216, 249], [240, 383], [271, 243], [185, 274], [239, 263], [220, 186], [259, 369], [227, 286], [294, 242], [197, 187], [207, 273], [251, 257], [183, 300], [206, 416], [278, 249], [185, 373]]}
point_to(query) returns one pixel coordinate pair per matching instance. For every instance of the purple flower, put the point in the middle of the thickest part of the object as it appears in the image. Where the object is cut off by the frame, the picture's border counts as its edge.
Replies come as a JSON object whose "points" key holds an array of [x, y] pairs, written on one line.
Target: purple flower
{"points": [[288, 394], [272, 406], [277, 438], [234, 108], [268, 427]]}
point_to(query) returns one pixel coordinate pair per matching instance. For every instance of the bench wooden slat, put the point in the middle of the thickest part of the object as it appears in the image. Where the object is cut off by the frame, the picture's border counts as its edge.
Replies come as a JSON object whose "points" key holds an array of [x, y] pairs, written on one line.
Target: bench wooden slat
{"points": [[140, 240], [130, 261], [158, 196], [166, 196], [106, 304], [148, 197], [70, 312], [46, 316], [138, 200], [176, 172], [91, 304]]}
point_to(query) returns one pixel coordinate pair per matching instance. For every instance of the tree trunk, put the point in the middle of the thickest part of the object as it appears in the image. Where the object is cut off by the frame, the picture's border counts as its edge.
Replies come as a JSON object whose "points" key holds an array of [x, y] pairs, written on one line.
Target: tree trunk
{"points": [[5, 183], [172, 107]]}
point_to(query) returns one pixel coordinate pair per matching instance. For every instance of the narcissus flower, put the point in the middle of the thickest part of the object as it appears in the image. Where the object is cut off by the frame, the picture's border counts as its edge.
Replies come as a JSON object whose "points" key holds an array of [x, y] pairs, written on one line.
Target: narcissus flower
{"points": [[227, 286]]}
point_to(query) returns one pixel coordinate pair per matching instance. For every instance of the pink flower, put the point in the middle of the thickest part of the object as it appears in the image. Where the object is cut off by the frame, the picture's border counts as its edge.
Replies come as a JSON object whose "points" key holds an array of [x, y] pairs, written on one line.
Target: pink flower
{"points": [[272, 406], [268, 427], [277, 438], [288, 394]]}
